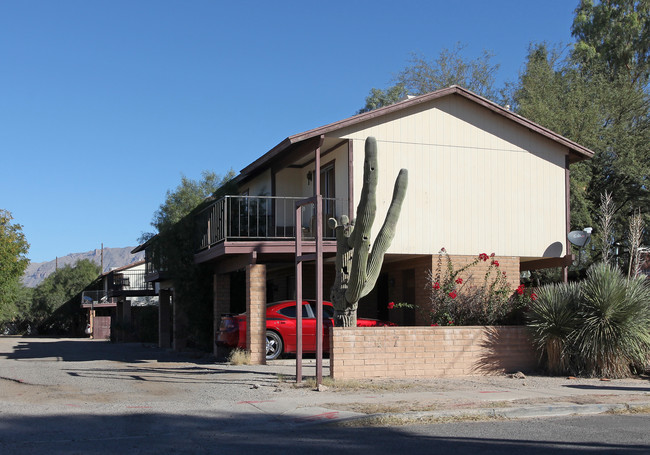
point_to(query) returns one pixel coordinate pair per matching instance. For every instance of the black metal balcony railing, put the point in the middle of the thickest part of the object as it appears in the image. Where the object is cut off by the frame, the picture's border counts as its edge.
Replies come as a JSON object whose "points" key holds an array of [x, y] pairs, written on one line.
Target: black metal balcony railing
{"points": [[260, 217], [129, 280]]}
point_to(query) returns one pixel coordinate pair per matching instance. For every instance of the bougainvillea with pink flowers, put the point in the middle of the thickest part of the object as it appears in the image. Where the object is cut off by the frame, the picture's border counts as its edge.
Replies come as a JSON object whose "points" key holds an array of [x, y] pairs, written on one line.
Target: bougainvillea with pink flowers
{"points": [[483, 298]]}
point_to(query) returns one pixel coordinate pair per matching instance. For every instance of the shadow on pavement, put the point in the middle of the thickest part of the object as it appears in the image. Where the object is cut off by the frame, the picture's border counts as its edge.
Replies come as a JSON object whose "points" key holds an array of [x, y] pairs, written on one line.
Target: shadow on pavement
{"points": [[85, 350], [607, 387], [241, 432], [195, 374]]}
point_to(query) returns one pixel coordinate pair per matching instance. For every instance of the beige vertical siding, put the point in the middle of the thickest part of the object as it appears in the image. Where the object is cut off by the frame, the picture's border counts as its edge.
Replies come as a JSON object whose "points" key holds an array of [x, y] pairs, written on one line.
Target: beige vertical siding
{"points": [[477, 182]]}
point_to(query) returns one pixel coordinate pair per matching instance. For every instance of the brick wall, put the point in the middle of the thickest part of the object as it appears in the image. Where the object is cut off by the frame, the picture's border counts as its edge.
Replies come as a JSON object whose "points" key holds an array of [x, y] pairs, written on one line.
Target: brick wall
{"points": [[421, 352], [256, 312]]}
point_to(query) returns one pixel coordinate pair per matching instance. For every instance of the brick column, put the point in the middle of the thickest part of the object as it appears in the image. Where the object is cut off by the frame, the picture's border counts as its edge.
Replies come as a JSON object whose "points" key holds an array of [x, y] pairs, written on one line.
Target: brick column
{"points": [[221, 302], [256, 312], [164, 332]]}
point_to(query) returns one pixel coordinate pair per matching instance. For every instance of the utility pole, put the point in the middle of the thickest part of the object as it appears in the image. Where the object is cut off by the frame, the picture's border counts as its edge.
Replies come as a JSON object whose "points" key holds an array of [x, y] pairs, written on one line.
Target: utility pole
{"points": [[102, 271]]}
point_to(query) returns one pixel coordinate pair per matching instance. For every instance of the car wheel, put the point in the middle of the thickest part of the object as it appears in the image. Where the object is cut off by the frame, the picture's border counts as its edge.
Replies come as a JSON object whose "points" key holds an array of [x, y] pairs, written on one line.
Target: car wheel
{"points": [[273, 345]]}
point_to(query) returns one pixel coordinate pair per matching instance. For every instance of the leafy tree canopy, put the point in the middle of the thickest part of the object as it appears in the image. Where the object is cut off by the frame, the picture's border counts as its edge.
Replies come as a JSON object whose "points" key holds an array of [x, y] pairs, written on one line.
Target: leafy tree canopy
{"points": [[61, 286], [601, 111], [13, 262], [617, 34], [185, 197], [173, 249], [450, 68]]}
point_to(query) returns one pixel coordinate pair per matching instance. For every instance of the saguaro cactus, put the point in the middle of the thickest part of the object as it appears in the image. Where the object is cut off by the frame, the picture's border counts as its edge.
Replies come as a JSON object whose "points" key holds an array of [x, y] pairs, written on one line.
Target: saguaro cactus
{"points": [[357, 265]]}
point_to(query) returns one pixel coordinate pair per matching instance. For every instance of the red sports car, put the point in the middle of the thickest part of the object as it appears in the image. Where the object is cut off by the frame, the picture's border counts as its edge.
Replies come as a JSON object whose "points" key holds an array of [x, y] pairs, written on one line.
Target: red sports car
{"points": [[281, 328]]}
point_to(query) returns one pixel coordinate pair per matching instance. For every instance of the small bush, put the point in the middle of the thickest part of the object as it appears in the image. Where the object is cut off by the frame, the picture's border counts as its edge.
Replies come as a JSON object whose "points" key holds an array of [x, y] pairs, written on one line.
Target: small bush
{"points": [[239, 357], [552, 318], [458, 297]]}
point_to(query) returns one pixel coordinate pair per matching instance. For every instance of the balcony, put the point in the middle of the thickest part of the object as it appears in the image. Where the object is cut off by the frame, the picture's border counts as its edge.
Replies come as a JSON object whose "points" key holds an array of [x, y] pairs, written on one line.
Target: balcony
{"points": [[128, 283], [118, 283], [241, 218], [96, 298]]}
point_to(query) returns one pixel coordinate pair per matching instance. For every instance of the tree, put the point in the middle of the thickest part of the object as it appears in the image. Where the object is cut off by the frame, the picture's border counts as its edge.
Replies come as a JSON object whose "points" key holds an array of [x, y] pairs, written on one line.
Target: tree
{"points": [[616, 33], [13, 262], [450, 68], [61, 286], [173, 248], [186, 196], [601, 111]]}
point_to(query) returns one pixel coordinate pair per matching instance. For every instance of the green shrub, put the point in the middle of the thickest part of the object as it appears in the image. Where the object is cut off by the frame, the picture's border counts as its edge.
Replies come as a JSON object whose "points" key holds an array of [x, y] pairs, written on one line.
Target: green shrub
{"points": [[614, 329], [598, 327], [552, 318]]}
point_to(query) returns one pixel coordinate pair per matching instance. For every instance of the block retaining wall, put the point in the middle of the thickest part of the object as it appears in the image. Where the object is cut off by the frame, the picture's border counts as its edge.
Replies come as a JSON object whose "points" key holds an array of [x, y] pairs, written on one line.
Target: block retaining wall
{"points": [[425, 352]]}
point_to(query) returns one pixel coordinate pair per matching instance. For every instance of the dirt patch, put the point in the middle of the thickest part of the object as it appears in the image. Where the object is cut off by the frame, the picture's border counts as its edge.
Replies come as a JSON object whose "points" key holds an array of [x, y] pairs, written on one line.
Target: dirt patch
{"points": [[401, 406]]}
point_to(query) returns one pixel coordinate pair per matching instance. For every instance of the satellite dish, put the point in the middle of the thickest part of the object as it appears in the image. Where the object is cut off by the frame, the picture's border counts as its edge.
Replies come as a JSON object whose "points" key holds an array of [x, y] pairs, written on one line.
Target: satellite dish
{"points": [[579, 238]]}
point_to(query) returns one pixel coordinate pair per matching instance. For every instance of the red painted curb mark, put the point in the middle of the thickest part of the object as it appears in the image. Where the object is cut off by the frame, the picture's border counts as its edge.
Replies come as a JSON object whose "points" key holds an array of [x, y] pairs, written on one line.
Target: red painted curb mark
{"points": [[139, 407], [325, 415], [255, 402], [496, 391]]}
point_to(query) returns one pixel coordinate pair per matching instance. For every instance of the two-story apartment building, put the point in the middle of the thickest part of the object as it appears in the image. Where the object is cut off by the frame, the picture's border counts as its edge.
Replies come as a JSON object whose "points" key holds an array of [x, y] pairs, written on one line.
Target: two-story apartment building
{"points": [[481, 179], [110, 298]]}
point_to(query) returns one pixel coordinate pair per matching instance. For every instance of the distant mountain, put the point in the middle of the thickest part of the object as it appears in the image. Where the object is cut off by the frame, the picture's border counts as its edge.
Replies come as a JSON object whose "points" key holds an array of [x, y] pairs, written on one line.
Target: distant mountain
{"points": [[113, 257]]}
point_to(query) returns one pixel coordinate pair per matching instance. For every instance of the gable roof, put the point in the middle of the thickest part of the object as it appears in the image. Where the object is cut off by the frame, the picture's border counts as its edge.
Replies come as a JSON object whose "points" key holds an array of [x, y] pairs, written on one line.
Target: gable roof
{"points": [[576, 151]]}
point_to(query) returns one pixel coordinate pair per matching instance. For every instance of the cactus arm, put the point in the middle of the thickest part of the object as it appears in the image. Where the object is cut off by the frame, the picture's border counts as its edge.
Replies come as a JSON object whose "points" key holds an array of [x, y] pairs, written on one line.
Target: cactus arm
{"points": [[367, 200], [387, 232], [365, 218]]}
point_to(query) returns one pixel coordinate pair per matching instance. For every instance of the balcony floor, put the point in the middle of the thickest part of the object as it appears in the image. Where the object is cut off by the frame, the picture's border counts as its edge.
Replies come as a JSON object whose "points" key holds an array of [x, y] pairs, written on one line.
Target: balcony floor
{"points": [[276, 248]]}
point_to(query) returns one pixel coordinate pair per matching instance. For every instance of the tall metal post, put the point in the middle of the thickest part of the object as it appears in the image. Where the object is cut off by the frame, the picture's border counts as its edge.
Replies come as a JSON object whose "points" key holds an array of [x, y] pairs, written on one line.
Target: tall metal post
{"points": [[319, 268], [298, 294], [317, 201]]}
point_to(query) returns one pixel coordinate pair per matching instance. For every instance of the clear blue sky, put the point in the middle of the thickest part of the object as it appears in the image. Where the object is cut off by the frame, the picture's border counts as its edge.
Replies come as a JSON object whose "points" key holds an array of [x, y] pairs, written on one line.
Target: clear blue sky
{"points": [[105, 104]]}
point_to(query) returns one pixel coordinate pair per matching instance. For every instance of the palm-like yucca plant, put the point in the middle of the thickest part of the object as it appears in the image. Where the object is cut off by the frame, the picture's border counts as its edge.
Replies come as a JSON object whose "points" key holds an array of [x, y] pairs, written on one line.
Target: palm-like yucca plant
{"points": [[552, 319], [614, 314]]}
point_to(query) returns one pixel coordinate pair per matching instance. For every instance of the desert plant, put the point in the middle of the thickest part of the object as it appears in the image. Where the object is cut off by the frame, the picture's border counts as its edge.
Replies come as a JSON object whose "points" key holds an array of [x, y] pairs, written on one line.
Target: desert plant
{"points": [[614, 323], [635, 237], [239, 357], [552, 319], [357, 264], [459, 298], [605, 225]]}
